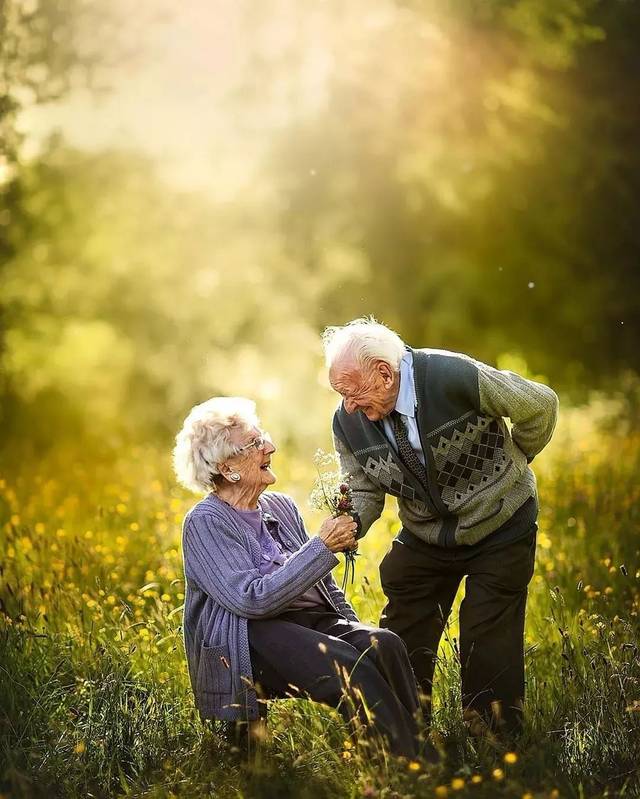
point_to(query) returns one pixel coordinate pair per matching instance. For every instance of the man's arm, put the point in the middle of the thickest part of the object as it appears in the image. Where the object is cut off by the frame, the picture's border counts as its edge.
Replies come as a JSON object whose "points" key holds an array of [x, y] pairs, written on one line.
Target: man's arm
{"points": [[368, 498], [532, 407]]}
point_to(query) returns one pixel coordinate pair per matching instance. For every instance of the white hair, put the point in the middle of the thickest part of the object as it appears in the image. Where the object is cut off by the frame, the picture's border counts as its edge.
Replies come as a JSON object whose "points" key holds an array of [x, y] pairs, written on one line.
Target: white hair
{"points": [[205, 439], [366, 339]]}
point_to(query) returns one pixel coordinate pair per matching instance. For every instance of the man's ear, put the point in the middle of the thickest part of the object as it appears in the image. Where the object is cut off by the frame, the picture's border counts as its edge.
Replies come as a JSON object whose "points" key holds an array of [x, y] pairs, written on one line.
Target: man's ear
{"points": [[386, 372]]}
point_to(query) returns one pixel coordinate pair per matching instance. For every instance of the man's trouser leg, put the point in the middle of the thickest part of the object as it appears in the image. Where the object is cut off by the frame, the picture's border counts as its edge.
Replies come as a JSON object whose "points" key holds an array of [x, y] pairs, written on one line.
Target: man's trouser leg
{"points": [[420, 584], [492, 618]]}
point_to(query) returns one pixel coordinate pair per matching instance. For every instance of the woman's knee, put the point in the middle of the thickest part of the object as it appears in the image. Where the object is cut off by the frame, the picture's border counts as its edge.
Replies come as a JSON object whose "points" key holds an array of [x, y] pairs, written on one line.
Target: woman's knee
{"points": [[387, 642]]}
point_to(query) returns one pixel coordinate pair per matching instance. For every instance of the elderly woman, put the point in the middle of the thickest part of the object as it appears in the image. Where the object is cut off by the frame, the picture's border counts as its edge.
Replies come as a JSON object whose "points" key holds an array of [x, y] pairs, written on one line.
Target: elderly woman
{"points": [[262, 610]]}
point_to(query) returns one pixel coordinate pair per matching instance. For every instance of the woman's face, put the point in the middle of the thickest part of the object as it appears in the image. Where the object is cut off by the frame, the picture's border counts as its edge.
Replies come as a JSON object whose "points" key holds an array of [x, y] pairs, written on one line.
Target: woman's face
{"points": [[253, 464]]}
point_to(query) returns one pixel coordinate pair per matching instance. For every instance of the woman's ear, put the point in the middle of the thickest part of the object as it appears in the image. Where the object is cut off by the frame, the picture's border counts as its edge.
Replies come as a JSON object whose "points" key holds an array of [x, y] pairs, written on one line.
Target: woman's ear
{"points": [[228, 473]]}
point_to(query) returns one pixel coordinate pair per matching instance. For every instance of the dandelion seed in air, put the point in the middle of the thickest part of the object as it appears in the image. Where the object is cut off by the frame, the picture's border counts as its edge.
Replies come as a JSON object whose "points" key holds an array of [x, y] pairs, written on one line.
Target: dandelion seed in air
{"points": [[531, 284]]}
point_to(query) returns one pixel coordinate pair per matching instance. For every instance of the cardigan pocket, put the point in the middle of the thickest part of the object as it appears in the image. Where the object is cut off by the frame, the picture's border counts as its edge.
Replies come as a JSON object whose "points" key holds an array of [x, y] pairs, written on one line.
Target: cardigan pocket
{"points": [[214, 670]]}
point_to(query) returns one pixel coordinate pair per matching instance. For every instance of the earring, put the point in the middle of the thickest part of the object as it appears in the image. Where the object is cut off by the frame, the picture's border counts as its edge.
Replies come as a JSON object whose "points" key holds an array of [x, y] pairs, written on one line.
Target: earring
{"points": [[234, 476]]}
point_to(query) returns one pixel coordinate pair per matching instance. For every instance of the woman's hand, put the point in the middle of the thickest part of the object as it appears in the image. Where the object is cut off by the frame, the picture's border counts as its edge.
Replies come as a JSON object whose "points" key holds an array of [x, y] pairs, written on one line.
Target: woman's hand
{"points": [[339, 533]]}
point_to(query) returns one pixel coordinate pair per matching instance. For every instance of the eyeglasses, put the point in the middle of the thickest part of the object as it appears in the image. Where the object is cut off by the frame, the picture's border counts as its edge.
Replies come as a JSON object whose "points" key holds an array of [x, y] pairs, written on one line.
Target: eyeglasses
{"points": [[260, 442]]}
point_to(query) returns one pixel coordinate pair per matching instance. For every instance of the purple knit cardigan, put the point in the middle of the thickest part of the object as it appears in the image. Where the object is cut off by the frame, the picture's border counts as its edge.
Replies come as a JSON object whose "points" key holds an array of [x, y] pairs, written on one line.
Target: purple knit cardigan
{"points": [[225, 588]]}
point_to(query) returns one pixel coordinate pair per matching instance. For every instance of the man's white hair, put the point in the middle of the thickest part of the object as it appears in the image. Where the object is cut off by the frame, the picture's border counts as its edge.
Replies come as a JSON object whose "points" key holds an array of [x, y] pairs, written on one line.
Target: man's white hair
{"points": [[366, 339], [205, 439]]}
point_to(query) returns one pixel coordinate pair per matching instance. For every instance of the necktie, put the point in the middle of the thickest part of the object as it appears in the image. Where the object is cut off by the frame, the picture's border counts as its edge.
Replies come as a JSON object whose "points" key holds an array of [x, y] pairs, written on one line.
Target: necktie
{"points": [[407, 453]]}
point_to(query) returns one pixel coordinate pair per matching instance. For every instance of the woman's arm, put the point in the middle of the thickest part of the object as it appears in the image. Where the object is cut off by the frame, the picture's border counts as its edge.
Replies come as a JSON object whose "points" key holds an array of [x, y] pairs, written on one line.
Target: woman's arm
{"points": [[336, 595], [221, 565], [339, 600]]}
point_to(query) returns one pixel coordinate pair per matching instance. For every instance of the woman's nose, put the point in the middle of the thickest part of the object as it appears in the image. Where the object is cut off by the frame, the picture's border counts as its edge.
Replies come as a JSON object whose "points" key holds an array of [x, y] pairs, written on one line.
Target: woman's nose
{"points": [[269, 447]]}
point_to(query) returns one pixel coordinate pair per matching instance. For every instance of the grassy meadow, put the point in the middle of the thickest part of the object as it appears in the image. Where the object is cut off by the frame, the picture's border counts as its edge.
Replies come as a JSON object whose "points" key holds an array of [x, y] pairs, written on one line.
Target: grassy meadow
{"points": [[95, 699]]}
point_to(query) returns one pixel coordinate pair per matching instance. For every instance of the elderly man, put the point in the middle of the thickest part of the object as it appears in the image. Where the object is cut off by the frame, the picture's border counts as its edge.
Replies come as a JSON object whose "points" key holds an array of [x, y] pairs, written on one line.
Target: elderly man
{"points": [[428, 426]]}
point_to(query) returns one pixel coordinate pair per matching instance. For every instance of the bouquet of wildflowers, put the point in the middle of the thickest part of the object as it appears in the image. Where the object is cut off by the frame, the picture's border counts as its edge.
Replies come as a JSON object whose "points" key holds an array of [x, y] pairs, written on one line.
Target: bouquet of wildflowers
{"points": [[331, 492]]}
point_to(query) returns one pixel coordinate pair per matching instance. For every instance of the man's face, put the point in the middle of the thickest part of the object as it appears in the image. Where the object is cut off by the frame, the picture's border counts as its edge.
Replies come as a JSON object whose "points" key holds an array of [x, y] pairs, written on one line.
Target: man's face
{"points": [[372, 389]]}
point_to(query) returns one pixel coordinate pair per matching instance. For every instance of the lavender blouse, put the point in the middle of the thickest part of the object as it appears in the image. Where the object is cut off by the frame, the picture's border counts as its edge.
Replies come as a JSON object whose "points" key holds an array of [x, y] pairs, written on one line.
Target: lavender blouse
{"points": [[274, 555]]}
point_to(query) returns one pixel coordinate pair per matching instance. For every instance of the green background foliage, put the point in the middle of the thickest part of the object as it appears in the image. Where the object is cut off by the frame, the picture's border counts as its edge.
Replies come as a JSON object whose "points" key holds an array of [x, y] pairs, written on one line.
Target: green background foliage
{"points": [[467, 172]]}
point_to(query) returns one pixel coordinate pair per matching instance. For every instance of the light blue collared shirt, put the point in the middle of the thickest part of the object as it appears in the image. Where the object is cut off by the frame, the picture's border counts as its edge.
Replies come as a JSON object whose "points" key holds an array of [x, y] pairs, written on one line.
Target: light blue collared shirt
{"points": [[406, 406]]}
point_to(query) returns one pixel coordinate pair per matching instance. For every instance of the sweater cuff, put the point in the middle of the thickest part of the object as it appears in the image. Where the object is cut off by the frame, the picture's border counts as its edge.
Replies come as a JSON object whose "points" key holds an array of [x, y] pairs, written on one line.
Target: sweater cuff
{"points": [[322, 551]]}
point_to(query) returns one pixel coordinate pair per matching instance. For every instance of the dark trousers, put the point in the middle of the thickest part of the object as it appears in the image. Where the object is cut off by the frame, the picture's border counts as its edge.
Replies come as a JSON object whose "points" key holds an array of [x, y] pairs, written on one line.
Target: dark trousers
{"points": [[421, 580], [363, 671]]}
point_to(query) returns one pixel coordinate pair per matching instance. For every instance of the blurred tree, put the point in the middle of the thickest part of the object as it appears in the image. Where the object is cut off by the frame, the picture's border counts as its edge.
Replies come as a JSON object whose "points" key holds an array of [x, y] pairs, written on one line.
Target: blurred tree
{"points": [[468, 172], [126, 303], [47, 48], [476, 164]]}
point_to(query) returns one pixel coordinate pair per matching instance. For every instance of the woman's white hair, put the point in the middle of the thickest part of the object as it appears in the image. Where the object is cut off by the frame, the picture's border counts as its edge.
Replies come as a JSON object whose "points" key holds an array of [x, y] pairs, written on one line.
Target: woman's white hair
{"points": [[205, 439], [366, 339]]}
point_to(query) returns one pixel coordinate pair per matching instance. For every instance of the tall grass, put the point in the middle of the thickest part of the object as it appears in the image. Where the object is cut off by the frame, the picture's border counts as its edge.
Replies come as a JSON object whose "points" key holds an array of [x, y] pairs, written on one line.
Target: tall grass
{"points": [[94, 694]]}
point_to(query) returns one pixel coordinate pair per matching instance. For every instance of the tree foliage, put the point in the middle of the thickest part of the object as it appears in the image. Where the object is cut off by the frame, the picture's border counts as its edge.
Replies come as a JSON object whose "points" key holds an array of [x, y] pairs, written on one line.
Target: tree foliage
{"points": [[468, 172]]}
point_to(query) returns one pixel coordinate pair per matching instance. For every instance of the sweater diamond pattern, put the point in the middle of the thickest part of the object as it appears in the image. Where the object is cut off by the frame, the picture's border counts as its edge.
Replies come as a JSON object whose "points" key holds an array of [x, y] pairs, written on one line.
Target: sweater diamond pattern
{"points": [[470, 459], [388, 473]]}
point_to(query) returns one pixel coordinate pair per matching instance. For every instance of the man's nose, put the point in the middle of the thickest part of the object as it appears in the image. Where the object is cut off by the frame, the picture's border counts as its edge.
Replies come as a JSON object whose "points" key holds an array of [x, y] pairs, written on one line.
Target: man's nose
{"points": [[350, 406], [269, 447]]}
